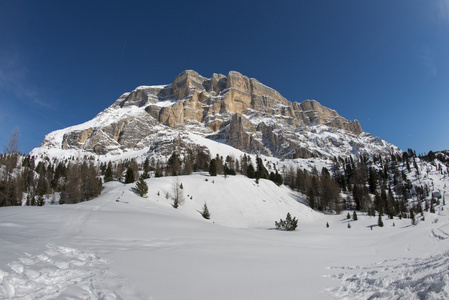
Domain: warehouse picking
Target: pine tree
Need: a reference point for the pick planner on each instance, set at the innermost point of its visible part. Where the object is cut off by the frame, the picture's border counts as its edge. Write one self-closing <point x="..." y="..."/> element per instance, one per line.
<point x="174" y="164"/>
<point x="372" y="180"/>
<point x="289" y="224"/>
<point x="311" y="198"/>
<point x="354" y="216"/>
<point x="213" y="167"/>
<point x="129" y="176"/>
<point x="250" y="172"/>
<point x="135" y="167"/>
<point x="261" y="171"/>
<point x="146" y="169"/>
<point x="380" y="223"/>
<point x="40" y="200"/>
<point x="327" y="224"/>
<point x="141" y="187"/>
<point x="108" y="173"/>
<point x="205" y="212"/>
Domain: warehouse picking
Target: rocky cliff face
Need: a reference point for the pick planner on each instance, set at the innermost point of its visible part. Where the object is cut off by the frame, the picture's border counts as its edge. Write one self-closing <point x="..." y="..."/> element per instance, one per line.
<point x="235" y="109"/>
<point x="213" y="101"/>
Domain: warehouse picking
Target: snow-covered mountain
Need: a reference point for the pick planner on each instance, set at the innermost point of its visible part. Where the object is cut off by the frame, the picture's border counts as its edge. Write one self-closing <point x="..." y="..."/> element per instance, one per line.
<point x="233" y="109"/>
<point x="118" y="245"/>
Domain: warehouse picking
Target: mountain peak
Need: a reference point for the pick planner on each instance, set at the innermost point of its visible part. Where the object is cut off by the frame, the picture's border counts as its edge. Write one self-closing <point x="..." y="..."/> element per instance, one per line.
<point x="234" y="109"/>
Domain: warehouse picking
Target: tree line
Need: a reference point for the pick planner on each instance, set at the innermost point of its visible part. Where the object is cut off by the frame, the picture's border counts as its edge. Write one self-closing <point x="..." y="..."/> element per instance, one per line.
<point x="25" y="182"/>
<point x="377" y="185"/>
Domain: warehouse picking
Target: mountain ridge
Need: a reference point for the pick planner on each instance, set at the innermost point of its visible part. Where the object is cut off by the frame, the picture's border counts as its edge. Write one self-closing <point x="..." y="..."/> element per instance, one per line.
<point x="233" y="109"/>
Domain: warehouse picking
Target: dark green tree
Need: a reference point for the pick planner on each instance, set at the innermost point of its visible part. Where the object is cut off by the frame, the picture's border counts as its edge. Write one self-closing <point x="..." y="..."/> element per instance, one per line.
<point x="108" y="173"/>
<point x="213" y="167"/>
<point x="205" y="213"/>
<point x="129" y="176"/>
<point x="372" y="180"/>
<point x="141" y="187"/>
<point x="380" y="223"/>
<point x="289" y="224"/>
<point x="276" y="178"/>
<point x="250" y="172"/>
<point x="261" y="171"/>
<point x="40" y="200"/>
<point x="174" y="164"/>
<point x="311" y="198"/>
<point x="146" y="169"/>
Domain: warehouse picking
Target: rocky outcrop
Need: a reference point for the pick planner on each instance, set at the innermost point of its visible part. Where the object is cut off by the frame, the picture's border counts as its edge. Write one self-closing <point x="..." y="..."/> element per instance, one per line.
<point x="236" y="109"/>
<point x="214" y="100"/>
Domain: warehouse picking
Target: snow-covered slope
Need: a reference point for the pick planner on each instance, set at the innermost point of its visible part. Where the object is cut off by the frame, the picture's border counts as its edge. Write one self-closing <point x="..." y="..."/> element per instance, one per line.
<point x="143" y="248"/>
<point x="235" y="201"/>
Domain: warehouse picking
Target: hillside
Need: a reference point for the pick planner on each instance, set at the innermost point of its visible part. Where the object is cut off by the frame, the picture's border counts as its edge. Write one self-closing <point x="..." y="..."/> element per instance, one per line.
<point x="143" y="248"/>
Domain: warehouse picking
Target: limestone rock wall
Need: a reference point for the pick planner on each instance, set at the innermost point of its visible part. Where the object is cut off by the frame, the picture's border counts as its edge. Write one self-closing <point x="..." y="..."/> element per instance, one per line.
<point x="234" y="107"/>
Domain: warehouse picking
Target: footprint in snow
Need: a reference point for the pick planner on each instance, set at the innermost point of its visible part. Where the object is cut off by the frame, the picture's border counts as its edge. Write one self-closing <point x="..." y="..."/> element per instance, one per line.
<point x="62" y="272"/>
<point x="426" y="278"/>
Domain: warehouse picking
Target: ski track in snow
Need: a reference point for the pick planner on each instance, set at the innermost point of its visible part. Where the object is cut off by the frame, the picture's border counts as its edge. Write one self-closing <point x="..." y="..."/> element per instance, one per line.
<point x="61" y="273"/>
<point x="406" y="278"/>
<point x="440" y="231"/>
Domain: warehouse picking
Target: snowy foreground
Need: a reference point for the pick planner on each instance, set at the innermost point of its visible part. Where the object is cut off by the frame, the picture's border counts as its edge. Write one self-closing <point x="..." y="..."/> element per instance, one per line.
<point x="143" y="248"/>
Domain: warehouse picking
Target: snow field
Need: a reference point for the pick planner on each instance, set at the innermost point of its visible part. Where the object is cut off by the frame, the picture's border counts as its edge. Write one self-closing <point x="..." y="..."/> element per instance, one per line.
<point x="143" y="248"/>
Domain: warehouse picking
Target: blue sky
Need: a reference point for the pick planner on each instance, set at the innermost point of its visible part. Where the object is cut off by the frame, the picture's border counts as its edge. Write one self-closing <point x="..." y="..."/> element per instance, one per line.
<point x="383" y="62"/>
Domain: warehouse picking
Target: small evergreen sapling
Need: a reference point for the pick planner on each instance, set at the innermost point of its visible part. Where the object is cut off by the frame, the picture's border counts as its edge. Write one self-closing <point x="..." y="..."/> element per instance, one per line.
<point x="141" y="187"/>
<point x="205" y="213"/>
<point x="40" y="200"/>
<point x="289" y="224"/>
